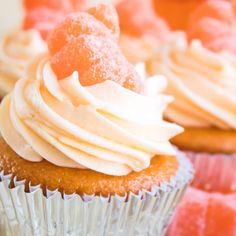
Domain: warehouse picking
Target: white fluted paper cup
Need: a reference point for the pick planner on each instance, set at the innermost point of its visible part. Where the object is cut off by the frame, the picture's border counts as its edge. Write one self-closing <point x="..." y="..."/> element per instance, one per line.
<point x="147" y="213"/>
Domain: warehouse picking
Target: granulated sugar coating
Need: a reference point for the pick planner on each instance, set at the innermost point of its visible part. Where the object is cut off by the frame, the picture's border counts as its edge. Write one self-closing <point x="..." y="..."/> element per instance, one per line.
<point x="73" y="26"/>
<point x="138" y="17"/>
<point x="85" y="44"/>
<point x="107" y="14"/>
<point x="202" y="213"/>
<point x="213" y="22"/>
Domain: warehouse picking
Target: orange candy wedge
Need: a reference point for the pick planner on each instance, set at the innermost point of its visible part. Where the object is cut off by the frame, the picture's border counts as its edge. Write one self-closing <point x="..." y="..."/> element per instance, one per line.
<point x="137" y="18"/>
<point x="73" y="26"/>
<point x="221" y="215"/>
<point x="204" y="214"/>
<point x="189" y="218"/>
<point x="85" y="43"/>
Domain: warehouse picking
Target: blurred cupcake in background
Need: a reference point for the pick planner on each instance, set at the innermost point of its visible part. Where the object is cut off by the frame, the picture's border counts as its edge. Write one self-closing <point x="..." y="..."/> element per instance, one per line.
<point x="141" y="29"/>
<point x="85" y="149"/>
<point x="201" y="77"/>
<point x="204" y="86"/>
<point x="17" y="50"/>
<point x="21" y="46"/>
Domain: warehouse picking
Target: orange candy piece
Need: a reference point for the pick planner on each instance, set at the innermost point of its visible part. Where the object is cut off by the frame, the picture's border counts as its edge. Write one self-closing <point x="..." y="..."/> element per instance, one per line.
<point x="72" y="27"/>
<point x="204" y="214"/>
<point x="213" y="22"/>
<point x="137" y="18"/>
<point x="43" y="15"/>
<point x="86" y="43"/>
<point x="221" y="215"/>
<point x="189" y="219"/>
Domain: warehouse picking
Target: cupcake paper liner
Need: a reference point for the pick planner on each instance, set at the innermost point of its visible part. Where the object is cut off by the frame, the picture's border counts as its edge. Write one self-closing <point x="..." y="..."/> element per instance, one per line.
<point x="145" y="213"/>
<point x="214" y="172"/>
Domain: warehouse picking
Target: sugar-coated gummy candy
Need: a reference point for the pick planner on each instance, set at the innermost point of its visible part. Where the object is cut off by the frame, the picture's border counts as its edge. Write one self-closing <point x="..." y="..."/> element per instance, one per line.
<point x="202" y="213"/>
<point x="86" y="43"/>
<point x="73" y="26"/>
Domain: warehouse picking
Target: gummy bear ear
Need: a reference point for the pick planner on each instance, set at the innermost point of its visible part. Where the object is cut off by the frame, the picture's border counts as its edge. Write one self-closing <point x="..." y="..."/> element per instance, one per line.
<point x="107" y="14"/>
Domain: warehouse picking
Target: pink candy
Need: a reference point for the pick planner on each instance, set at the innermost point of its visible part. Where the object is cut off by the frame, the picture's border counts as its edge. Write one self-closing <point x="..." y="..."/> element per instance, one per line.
<point x="205" y="214"/>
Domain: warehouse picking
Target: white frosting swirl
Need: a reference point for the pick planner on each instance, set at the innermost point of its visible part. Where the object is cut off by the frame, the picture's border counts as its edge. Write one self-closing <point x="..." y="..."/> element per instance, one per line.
<point x="16" y="51"/>
<point x="202" y="82"/>
<point x="103" y="127"/>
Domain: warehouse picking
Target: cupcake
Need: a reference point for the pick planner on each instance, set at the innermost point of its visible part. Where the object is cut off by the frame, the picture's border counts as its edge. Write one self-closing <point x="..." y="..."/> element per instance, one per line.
<point x="204" y="86"/>
<point x="200" y="67"/>
<point x="85" y="149"/>
<point x="141" y="29"/>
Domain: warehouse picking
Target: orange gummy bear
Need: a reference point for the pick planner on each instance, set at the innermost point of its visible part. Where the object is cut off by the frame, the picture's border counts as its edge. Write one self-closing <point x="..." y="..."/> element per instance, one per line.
<point x="85" y="43"/>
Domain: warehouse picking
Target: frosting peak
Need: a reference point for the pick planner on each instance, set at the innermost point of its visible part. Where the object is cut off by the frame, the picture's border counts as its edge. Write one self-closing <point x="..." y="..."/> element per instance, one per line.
<point x="103" y="127"/>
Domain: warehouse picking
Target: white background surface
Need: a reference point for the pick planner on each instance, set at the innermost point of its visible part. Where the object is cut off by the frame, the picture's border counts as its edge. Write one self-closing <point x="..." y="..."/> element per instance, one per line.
<point x="11" y="14"/>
